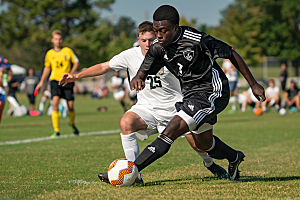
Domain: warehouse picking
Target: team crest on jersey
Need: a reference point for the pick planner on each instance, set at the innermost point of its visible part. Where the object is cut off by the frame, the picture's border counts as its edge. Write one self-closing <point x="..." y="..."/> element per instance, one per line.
<point x="166" y="57"/>
<point x="188" y="54"/>
<point x="161" y="71"/>
<point x="191" y="107"/>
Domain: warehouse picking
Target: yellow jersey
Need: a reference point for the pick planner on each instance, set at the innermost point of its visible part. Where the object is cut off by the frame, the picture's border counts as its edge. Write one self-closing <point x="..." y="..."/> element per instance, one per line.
<point x="60" y="62"/>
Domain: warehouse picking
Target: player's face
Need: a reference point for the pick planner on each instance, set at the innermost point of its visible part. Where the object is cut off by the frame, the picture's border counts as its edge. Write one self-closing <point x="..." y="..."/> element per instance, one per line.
<point x="56" y="40"/>
<point x="145" y="41"/>
<point x="271" y="84"/>
<point x="165" y="32"/>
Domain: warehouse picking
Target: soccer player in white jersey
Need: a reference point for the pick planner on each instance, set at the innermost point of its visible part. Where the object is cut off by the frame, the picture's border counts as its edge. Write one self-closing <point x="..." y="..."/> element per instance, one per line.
<point x="156" y="103"/>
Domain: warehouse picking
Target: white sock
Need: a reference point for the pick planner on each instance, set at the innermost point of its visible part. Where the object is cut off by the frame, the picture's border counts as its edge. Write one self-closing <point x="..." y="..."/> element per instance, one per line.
<point x="208" y="161"/>
<point x="232" y="100"/>
<point x="13" y="102"/>
<point x="42" y="104"/>
<point x="131" y="147"/>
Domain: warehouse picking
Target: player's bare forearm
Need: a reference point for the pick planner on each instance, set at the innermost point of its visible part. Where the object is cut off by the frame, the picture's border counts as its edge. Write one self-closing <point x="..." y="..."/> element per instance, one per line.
<point x="74" y="68"/>
<point x="96" y="70"/>
<point x="239" y="63"/>
<point x="138" y="82"/>
<point x="46" y="72"/>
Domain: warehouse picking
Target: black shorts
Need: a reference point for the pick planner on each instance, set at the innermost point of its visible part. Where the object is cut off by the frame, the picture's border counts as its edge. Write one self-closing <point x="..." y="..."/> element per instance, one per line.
<point x="31" y="98"/>
<point x="65" y="92"/>
<point x="203" y="108"/>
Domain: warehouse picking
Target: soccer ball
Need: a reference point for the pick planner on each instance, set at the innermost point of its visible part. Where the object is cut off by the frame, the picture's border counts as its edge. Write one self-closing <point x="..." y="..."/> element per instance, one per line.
<point x="122" y="172"/>
<point x="282" y="111"/>
<point x="258" y="112"/>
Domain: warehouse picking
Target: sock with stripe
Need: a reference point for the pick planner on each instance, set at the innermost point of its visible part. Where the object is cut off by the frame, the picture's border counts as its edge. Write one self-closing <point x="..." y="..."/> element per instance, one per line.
<point x="154" y="151"/>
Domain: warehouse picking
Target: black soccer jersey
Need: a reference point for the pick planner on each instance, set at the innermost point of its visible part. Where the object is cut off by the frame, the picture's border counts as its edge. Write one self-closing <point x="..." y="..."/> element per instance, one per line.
<point x="191" y="58"/>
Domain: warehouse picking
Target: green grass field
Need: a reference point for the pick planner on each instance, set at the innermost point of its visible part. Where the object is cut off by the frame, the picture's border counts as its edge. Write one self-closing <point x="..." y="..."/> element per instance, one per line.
<point x="67" y="168"/>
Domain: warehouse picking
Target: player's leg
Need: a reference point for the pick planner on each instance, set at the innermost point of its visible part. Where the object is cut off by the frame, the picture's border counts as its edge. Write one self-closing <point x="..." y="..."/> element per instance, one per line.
<point x="129" y="124"/>
<point x="132" y="126"/>
<point x="55" y="116"/>
<point x="68" y="94"/>
<point x="207" y="160"/>
<point x="2" y="104"/>
<point x="2" y="101"/>
<point x="55" y="94"/>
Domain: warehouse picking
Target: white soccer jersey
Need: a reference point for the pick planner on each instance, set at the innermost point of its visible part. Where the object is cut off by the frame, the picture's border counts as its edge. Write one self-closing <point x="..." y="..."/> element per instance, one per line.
<point x="271" y="92"/>
<point x="161" y="90"/>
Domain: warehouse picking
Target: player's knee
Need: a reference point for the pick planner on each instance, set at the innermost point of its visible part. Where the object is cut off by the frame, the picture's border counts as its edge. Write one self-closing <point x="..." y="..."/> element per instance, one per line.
<point x="127" y="125"/>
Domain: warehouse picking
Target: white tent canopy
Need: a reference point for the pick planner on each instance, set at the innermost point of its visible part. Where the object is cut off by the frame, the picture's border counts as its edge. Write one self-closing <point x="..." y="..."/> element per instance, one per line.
<point x="18" y="70"/>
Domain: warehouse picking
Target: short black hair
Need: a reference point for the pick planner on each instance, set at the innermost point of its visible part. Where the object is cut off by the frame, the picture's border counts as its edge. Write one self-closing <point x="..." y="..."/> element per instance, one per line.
<point x="167" y="12"/>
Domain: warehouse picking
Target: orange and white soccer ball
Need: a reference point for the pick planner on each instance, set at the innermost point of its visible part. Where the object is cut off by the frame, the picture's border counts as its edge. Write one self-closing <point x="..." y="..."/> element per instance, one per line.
<point x="122" y="172"/>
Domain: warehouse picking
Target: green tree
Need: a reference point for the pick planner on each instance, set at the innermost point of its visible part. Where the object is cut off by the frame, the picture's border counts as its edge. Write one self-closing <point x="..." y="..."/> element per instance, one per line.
<point x="26" y="26"/>
<point x="241" y="27"/>
<point x="281" y="27"/>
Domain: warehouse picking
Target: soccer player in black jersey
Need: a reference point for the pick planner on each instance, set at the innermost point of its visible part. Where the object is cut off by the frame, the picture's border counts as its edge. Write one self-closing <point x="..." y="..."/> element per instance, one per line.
<point x="190" y="55"/>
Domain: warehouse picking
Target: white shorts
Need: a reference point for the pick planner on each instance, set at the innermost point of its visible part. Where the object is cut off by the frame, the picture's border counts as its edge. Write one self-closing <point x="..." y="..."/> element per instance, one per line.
<point x="119" y="94"/>
<point x="157" y="120"/>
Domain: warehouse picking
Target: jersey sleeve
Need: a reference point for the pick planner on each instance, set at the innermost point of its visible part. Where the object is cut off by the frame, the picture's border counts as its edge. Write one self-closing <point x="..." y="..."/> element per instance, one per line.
<point x="118" y="62"/>
<point x="153" y="61"/>
<point x="217" y="48"/>
<point x="47" y="62"/>
<point x="74" y="58"/>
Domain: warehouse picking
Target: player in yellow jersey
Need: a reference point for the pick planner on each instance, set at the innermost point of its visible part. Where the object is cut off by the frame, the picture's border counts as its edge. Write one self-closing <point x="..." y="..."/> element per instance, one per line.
<point x="59" y="61"/>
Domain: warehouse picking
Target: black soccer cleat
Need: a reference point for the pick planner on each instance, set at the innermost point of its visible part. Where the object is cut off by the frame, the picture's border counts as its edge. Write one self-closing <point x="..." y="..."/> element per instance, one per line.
<point x="218" y="171"/>
<point x="139" y="182"/>
<point x="233" y="171"/>
<point x="103" y="177"/>
<point x="75" y="130"/>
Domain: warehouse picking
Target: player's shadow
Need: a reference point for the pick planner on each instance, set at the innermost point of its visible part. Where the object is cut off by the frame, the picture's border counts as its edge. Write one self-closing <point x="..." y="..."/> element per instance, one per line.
<point x="184" y="181"/>
<point x="267" y="179"/>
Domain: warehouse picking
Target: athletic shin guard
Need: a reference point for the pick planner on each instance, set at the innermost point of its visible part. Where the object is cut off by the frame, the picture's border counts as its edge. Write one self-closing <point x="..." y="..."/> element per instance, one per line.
<point x="154" y="151"/>
<point x="222" y="150"/>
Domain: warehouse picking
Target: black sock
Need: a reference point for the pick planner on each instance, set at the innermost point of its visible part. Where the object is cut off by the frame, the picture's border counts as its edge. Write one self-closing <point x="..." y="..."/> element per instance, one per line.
<point x="122" y="103"/>
<point x="222" y="150"/>
<point x="152" y="152"/>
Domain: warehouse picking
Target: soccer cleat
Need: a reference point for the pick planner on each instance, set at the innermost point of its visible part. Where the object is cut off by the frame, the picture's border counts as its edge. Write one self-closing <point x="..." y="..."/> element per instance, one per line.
<point x="139" y="182"/>
<point x="103" y="177"/>
<point x="55" y="134"/>
<point x="218" y="171"/>
<point x="75" y="130"/>
<point x="233" y="171"/>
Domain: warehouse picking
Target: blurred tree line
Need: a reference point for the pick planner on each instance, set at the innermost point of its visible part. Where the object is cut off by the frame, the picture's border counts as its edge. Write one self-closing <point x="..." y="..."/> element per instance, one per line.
<point x="256" y="28"/>
<point x="26" y="26"/>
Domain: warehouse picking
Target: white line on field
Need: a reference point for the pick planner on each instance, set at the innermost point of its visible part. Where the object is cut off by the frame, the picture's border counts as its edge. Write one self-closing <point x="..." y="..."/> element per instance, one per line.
<point x="61" y="136"/>
<point x="83" y="182"/>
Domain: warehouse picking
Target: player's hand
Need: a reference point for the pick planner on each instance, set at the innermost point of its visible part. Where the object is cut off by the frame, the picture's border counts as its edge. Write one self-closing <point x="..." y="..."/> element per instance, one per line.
<point x="38" y="86"/>
<point x="137" y="83"/>
<point x="66" y="78"/>
<point x="259" y="92"/>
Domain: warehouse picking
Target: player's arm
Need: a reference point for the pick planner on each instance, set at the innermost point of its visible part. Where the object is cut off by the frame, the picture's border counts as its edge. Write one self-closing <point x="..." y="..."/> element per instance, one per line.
<point x="239" y="63"/>
<point x="75" y="61"/>
<point x="46" y="72"/>
<point x="95" y="70"/>
<point x="74" y="68"/>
